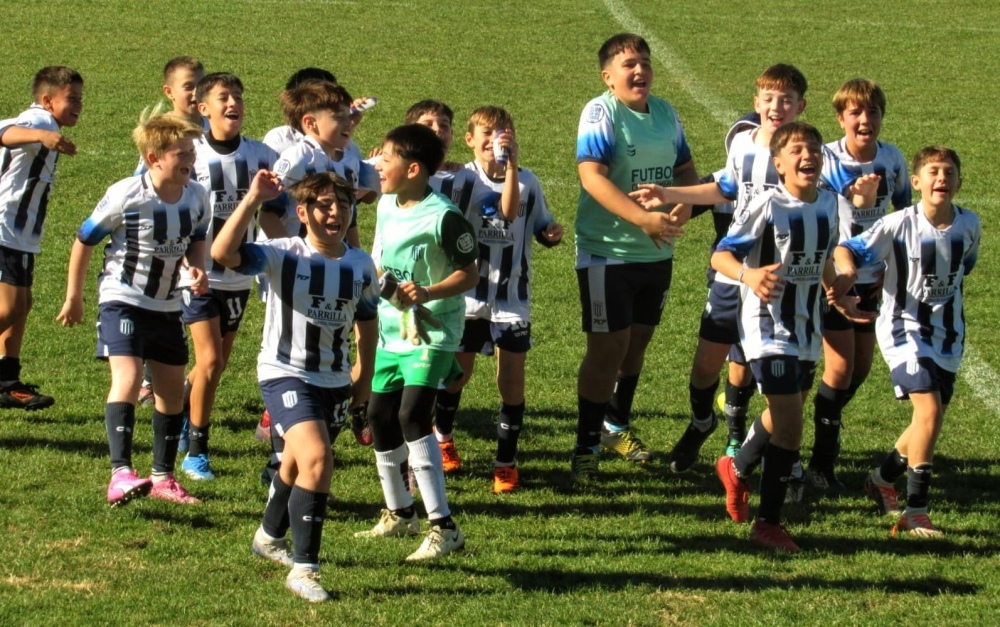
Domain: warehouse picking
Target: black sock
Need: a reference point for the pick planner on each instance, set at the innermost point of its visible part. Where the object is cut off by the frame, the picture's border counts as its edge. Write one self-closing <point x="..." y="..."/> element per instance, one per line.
<point x="306" y="510"/>
<point x="10" y="369"/>
<point x="589" y="422"/>
<point x="166" y="436"/>
<point x="199" y="440"/>
<point x="827" y="406"/>
<point x="918" y="484"/>
<point x="703" y="401"/>
<point x="405" y="512"/>
<point x="445" y="409"/>
<point x="620" y="408"/>
<point x="444" y="523"/>
<point x="752" y="450"/>
<point x="508" y="431"/>
<point x="737" y="405"/>
<point x="119" y="419"/>
<point x="892" y="467"/>
<point x="275" y="522"/>
<point x="774" y="476"/>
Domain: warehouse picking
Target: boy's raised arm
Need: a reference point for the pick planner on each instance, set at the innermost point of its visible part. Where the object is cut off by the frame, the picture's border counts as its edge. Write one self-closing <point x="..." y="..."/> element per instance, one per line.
<point x="226" y="245"/>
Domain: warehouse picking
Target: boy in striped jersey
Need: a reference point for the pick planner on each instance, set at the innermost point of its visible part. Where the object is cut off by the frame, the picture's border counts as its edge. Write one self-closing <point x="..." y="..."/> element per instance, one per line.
<point x="157" y="224"/>
<point x="927" y="250"/>
<point x="320" y="287"/>
<point x="848" y="348"/>
<point x="30" y="146"/>
<point x="226" y="163"/>
<point x="778" y="249"/>
<point x="508" y="209"/>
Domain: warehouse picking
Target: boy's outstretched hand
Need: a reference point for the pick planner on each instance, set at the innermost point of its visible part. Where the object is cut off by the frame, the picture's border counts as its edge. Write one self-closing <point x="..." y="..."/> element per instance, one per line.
<point x="71" y="313"/>
<point x="58" y="142"/>
<point x="847" y="305"/>
<point x="553" y="233"/>
<point x="866" y="186"/>
<point x="650" y="196"/>
<point x="266" y="185"/>
<point x="764" y="282"/>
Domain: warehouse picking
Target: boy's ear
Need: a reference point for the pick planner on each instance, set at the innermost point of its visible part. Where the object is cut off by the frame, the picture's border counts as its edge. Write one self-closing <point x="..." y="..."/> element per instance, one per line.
<point x="468" y="140"/>
<point x="413" y="169"/>
<point x="152" y="160"/>
<point x="202" y="108"/>
<point x="300" y="211"/>
<point x="46" y="101"/>
<point x="308" y="121"/>
<point x="606" y="77"/>
<point x="168" y="91"/>
<point x="802" y="105"/>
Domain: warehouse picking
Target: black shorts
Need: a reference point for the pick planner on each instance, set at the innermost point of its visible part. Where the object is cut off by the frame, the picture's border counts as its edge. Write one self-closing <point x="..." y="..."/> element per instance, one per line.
<point x="226" y="305"/>
<point x="614" y="297"/>
<point x="17" y="267"/>
<point x="720" y="318"/>
<point x="923" y="375"/>
<point x="290" y="401"/>
<point x="871" y="296"/>
<point x="129" y="331"/>
<point x="783" y="374"/>
<point x="482" y="336"/>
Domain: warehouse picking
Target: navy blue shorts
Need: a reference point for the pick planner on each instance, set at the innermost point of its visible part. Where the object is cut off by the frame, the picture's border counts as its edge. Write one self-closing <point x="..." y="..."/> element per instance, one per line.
<point x="871" y="297"/>
<point x="481" y="336"/>
<point x="923" y="375"/>
<point x="226" y="305"/>
<point x="17" y="267"/>
<point x="129" y="331"/>
<point x="783" y="374"/>
<point x="290" y="401"/>
<point x="615" y="297"/>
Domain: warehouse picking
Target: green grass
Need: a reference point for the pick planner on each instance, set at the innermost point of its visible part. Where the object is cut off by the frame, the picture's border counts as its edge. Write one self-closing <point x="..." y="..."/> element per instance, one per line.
<point x="644" y="546"/>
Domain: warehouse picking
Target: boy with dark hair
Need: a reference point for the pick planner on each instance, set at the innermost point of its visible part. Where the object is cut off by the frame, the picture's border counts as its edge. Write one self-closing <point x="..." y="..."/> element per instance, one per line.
<point x="927" y="250"/>
<point x="427" y="257"/>
<point x="29" y="149"/>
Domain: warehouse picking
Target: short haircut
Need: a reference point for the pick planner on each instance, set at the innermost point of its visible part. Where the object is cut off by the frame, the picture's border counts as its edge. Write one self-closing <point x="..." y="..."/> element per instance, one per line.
<point x="782" y="76"/>
<point x="309" y="74"/>
<point x="312" y="97"/>
<point x="621" y="42"/>
<point x="493" y="117"/>
<point x="931" y="154"/>
<point x="416" y="142"/>
<point x="312" y="186"/>
<point x="793" y="130"/>
<point x="861" y="92"/>
<point x="181" y="63"/>
<point x="53" y="77"/>
<point x="427" y="107"/>
<point x="215" y="79"/>
<point x="158" y="131"/>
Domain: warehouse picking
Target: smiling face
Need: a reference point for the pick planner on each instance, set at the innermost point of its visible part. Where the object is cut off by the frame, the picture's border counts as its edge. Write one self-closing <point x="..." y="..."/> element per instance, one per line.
<point x="394" y="172"/>
<point x="327" y="218"/>
<point x="862" y="125"/>
<point x="180" y="89"/>
<point x="332" y="129"/>
<point x="629" y="76"/>
<point x="938" y="181"/>
<point x="481" y="142"/>
<point x="776" y="107"/>
<point x="174" y="166"/>
<point x="64" y="103"/>
<point x="799" y="163"/>
<point x="223" y="106"/>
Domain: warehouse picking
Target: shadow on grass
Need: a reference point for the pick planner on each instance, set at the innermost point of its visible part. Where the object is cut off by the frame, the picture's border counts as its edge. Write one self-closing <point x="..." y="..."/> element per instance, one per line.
<point x="94" y="449"/>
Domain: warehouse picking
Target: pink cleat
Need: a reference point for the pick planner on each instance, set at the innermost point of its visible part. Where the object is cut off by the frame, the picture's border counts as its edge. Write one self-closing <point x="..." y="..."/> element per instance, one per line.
<point x="125" y="486"/>
<point x="170" y="490"/>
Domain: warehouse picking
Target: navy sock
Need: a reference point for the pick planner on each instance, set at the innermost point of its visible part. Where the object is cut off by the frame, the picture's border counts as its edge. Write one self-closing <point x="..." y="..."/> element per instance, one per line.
<point x="893" y="467"/>
<point x="774" y="476"/>
<point x="827" y="409"/>
<point x="620" y="408"/>
<point x="588" y="426"/>
<point x="198" y="440"/>
<point x="737" y="405"/>
<point x="508" y="431"/>
<point x="445" y="409"/>
<point x="306" y="510"/>
<point x="119" y="419"/>
<point x="703" y="401"/>
<point x="166" y="436"/>
<point x="275" y="522"/>
<point x="752" y="450"/>
<point x="918" y="484"/>
<point x="10" y="369"/>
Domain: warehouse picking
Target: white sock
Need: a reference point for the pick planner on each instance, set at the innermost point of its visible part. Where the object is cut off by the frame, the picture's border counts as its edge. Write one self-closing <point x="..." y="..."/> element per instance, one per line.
<point x="425" y="460"/>
<point x="389" y="465"/>
<point x="442" y="437"/>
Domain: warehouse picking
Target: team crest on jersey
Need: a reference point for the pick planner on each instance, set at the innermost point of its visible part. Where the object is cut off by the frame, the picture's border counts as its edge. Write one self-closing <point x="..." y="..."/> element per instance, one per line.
<point x="630" y="150"/>
<point x="281" y="167"/>
<point x="417" y="252"/>
<point x="359" y="287"/>
<point x="595" y="113"/>
<point x="103" y="205"/>
<point x="465" y="243"/>
<point x="777" y="368"/>
<point x="290" y="399"/>
<point x="741" y="217"/>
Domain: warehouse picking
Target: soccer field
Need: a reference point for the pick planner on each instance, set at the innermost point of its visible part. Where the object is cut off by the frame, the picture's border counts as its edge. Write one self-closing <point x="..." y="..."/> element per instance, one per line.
<point x="644" y="546"/>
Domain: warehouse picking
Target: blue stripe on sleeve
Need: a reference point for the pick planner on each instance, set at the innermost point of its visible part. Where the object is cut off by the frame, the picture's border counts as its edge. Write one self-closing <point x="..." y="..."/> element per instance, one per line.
<point x="253" y="260"/>
<point x="739" y="246"/>
<point x="91" y="232"/>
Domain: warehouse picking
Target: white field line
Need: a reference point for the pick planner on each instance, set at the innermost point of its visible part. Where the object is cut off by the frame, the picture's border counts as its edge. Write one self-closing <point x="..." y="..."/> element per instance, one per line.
<point x="980" y="376"/>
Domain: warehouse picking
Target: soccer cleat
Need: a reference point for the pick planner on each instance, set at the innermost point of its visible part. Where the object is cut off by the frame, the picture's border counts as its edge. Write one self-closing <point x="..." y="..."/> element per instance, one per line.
<point x="438" y="543"/>
<point x="146" y="396"/>
<point x="626" y="444"/>
<point x="198" y="468"/>
<point x="737" y="490"/>
<point x="796" y="489"/>
<point x="884" y="497"/>
<point x="505" y="479"/>
<point x="772" y="535"/>
<point x="917" y="523"/>
<point x="824" y="479"/>
<point x="360" y="427"/>
<point x="303" y="581"/>
<point x="685" y="453"/>
<point x="449" y="457"/>
<point x="170" y="490"/>
<point x="184" y="440"/>
<point x="125" y="486"/>
<point x="274" y="549"/>
<point x="263" y="430"/>
<point x="19" y="395"/>
<point x="391" y="525"/>
<point x="733" y="447"/>
<point x="584" y="466"/>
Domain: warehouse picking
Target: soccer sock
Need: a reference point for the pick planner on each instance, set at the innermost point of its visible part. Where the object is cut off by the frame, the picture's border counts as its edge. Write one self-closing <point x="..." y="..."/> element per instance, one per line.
<point x="588" y="425"/>
<point x="166" y="435"/>
<point x="425" y="460"/>
<point x="774" y="477"/>
<point x="918" y="484"/>
<point x="619" y="409"/>
<point x="119" y="419"/>
<point x="392" y="474"/>
<point x="306" y="510"/>
<point x="445" y="523"/>
<point x="10" y="370"/>
<point x="276" y="521"/>
<point x="849" y="394"/>
<point x="752" y="450"/>
<point x="893" y="467"/>
<point x="445" y="408"/>
<point x="827" y="408"/>
<point x="199" y="440"/>
<point x="736" y="407"/>
<point x="702" y="401"/>
<point x="508" y="431"/>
